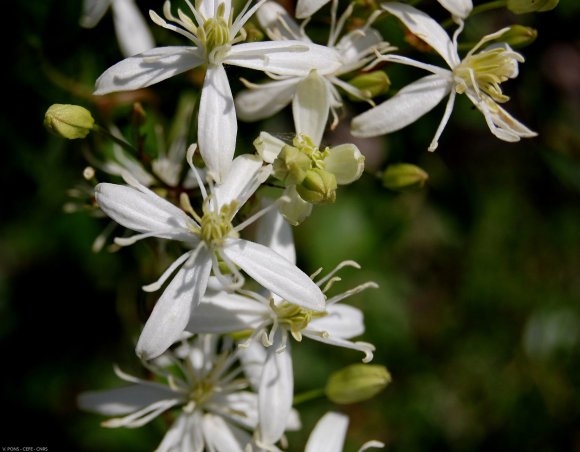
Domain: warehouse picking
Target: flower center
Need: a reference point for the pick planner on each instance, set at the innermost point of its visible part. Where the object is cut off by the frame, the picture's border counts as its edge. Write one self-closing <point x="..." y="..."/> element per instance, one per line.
<point x="201" y="392"/>
<point x="294" y="317"/>
<point x="217" y="226"/>
<point x="215" y="33"/>
<point x="486" y="70"/>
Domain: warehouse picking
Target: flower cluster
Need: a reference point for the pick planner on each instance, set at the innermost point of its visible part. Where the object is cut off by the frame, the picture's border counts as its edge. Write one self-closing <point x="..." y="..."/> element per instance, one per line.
<point x="233" y="302"/>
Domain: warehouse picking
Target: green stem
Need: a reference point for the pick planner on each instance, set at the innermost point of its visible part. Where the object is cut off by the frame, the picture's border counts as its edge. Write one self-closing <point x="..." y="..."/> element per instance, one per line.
<point x="308" y="395"/>
<point x="116" y="139"/>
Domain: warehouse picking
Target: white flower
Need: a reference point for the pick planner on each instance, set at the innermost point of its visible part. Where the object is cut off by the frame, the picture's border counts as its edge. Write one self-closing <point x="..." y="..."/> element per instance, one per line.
<point x="216" y="407"/>
<point x="216" y="41"/>
<point x="210" y="237"/>
<point x="271" y="319"/>
<point x="133" y="35"/>
<point x="478" y="76"/>
<point x="355" y="48"/>
<point x="329" y="433"/>
<point x="459" y="9"/>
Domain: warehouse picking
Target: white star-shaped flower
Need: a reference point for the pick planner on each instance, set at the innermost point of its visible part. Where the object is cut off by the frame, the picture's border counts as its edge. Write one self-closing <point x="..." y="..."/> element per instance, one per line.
<point x="355" y="48"/>
<point x="210" y="237"/>
<point x="217" y="409"/>
<point x="216" y="39"/>
<point x="478" y="76"/>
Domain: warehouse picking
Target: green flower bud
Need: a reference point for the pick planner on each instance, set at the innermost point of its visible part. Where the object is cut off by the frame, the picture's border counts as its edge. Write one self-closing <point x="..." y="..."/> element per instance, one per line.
<point x="531" y="6"/>
<point x="519" y="36"/>
<point x="346" y="163"/>
<point x="404" y="176"/>
<point x="356" y="383"/>
<point x="318" y="186"/>
<point x="372" y="84"/>
<point x="69" y="121"/>
<point x="291" y="165"/>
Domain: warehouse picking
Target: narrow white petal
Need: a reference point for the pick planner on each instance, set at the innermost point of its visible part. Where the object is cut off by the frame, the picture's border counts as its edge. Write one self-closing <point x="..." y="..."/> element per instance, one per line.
<point x="458" y="8"/>
<point x="310" y="106"/>
<point x="225" y="312"/>
<point x="147" y="68"/>
<point x="356" y="45"/>
<point x="263" y="101"/>
<point x="240" y="183"/>
<point x="328" y="434"/>
<point x="124" y="400"/>
<point x="403" y="108"/>
<point x="278" y="24"/>
<point x="221" y="436"/>
<point x="173" y="310"/>
<point x="268" y="146"/>
<point x="132" y="32"/>
<point x="217" y="126"/>
<point x="276" y="392"/>
<point x="275" y="273"/>
<point x="364" y="347"/>
<point x="427" y="29"/>
<point x="185" y="435"/>
<point x="174" y="435"/>
<point x="253" y="356"/>
<point x="144" y="212"/>
<point x="341" y="321"/>
<point x="306" y="8"/>
<point x="240" y="407"/>
<point x="93" y="12"/>
<point x="284" y="57"/>
<point x="275" y="233"/>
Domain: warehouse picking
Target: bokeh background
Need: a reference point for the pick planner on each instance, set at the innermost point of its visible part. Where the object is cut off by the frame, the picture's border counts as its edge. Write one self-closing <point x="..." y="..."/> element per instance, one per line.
<point x="477" y="316"/>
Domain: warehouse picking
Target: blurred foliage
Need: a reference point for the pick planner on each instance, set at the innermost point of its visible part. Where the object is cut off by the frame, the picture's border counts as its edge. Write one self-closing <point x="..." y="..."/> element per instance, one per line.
<point x="477" y="317"/>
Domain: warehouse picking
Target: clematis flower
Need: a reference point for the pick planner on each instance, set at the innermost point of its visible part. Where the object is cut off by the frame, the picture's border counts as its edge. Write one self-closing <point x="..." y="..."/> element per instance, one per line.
<point x="210" y="237"/>
<point x="271" y="319"/>
<point x="329" y="433"/>
<point x="132" y="32"/>
<point x="478" y="76"/>
<point x="217" y="407"/>
<point x="216" y="39"/>
<point x="355" y="48"/>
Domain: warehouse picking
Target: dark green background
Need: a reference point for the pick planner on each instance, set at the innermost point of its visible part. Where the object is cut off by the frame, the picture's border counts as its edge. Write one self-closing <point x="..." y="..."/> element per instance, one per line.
<point x="477" y="317"/>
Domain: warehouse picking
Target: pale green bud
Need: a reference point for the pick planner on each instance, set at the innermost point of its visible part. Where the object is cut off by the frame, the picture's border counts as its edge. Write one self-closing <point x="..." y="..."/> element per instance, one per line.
<point x="371" y="85"/>
<point x="531" y="6"/>
<point x="404" y="176"/>
<point x="356" y="383"/>
<point x="69" y="121"/>
<point x="294" y="209"/>
<point x="291" y="165"/>
<point x="346" y="163"/>
<point x="319" y="186"/>
<point x="519" y="36"/>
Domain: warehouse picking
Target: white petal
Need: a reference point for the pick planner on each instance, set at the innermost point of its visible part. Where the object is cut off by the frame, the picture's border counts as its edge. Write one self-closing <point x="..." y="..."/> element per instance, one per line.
<point x="310" y="107"/>
<point x="268" y="146"/>
<point x="306" y="8"/>
<point x="458" y="8"/>
<point x="240" y="183"/>
<point x="354" y="46"/>
<point x="328" y="434"/>
<point x="263" y="101"/>
<point x="342" y="321"/>
<point x="427" y="29"/>
<point x="222" y="437"/>
<point x="284" y="57"/>
<point x="93" y="12"/>
<point x="253" y="356"/>
<point x="132" y="32"/>
<point x="144" y="212"/>
<point x="241" y="407"/>
<point x="275" y="233"/>
<point x="225" y="312"/>
<point x="208" y="8"/>
<point x="217" y="126"/>
<point x="275" y="273"/>
<point x="185" y="435"/>
<point x="404" y="108"/>
<point x="364" y="347"/>
<point x="346" y="162"/>
<point x="124" y="400"/>
<point x="173" y="310"/>
<point x="147" y="68"/>
<point x="276" y="392"/>
<point x="278" y="24"/>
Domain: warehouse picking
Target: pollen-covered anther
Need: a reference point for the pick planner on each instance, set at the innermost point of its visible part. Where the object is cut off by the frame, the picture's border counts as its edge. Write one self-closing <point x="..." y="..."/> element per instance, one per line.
<point x="217" y="226"/>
